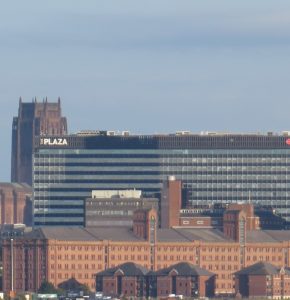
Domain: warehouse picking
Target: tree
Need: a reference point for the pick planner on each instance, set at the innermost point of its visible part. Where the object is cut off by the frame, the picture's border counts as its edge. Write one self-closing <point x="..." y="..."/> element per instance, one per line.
<point x="85" y="289"/>
<point x="47" y="288"/>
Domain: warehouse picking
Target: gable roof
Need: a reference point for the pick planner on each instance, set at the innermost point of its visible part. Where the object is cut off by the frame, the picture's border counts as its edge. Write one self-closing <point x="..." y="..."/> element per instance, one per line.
<point x="268" y="236"/>
<point x="128" y="269"/>
<point x="69" y="233"/>
<point x="261" y="268"/>
<point x="183" y="269"/>
<point x="174" y="235"/>
<point x="70" y="284"/>
<point x="180" y="234"/>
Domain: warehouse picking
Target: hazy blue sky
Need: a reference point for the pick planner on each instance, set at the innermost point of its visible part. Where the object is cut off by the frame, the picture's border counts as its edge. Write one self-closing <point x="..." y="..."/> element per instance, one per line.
<point x="151" y="66"/>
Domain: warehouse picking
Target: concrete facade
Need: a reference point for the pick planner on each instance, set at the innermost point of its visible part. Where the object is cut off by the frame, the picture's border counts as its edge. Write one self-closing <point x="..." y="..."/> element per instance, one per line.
<point x="115" y="209"/>
<point x="212" y="168"/>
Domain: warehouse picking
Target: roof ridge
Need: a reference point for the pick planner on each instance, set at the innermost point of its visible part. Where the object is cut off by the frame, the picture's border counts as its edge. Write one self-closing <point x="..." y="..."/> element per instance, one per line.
<point x="91" y="234"/>
<point x="183" y="235"/>
<point x="36" y="231"/>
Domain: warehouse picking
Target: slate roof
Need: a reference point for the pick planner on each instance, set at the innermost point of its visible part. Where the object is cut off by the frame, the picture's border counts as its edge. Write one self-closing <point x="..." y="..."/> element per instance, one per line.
<point x="113" y="233"/>
<point x="34" y="234"/>
<point x="173" y="235"/>
<point x="232" y="211"/>
<point x="84" y="234"/>
<point x="268" y="236"/>
<point x="70" y="284"/>
<point x="261" y="268"/>
<point x="207" y="235"/>
<point x="191" y="234"/>
<point x="124" y="234"/>
<point x="129" y="269"/>
<point x="183" y="269"/>
<point x="66" y="233"/>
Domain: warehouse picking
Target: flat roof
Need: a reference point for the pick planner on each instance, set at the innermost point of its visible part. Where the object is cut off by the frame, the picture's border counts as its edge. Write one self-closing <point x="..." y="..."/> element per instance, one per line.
<point x="166" y="141"/>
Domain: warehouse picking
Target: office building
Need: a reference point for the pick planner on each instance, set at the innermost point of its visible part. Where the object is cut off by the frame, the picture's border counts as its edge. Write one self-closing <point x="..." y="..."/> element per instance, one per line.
<point x="115" y="207"/>
<point x="214" y="168"/>
<point x="34" y="119"/>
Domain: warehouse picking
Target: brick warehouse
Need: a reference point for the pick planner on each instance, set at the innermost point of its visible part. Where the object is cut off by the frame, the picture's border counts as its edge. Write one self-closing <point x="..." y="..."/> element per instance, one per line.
<point x="58" y="254"/>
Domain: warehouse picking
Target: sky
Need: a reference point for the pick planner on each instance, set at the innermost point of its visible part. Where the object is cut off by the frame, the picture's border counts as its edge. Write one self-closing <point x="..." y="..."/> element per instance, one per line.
<point x="147" y="66"/>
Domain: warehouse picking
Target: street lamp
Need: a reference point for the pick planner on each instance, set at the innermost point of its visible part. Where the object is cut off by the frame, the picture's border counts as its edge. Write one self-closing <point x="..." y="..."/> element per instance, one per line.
<point x="12" y="265"/>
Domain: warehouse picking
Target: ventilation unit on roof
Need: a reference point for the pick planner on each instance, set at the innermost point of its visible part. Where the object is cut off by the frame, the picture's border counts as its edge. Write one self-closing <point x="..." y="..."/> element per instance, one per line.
<point x="111" y="133"/>
<point x="125" y="133"/>
<point x="182" y="132"/>
<point x="286" y="133"/>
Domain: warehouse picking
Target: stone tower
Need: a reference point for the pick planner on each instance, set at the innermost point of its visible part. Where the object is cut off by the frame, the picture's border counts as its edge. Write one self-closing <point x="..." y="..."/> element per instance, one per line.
<point x="34" y="119"/>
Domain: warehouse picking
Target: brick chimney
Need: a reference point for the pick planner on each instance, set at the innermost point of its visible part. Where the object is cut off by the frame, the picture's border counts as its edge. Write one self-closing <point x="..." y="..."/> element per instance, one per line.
<point x="171" y="202"/>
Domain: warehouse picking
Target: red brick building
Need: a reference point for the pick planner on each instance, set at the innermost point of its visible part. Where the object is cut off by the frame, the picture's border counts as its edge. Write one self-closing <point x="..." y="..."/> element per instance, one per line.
<point x="15" y="203"/>
<point x="126" y="280"/>
<point x="171" y="202"/>
<point x="132" y="280"/>
<point x="57" y="254"/>
<point x="263" y="280"/>
<point x="183" y="279"/>
<point x="115" y="207"/>
<point x="174" y="214"/>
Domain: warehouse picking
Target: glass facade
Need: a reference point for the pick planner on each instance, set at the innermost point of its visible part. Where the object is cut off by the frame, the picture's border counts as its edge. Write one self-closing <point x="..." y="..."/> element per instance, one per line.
<point x="65" y="175"/>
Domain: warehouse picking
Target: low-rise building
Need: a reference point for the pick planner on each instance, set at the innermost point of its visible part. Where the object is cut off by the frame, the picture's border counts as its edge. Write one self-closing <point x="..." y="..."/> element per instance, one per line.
<point x="115" y="207"/>
<point x="132" y="280"/>
<point x="56" y="254"/>
<point x="126" y="280"/>
<point x="183" y="279"/>
<point x="263" y="280"/>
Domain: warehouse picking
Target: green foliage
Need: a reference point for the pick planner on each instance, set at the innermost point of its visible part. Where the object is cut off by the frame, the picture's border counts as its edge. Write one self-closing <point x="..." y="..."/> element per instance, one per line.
<point x="85" y="289"/>
<point x="47" y="288"/>
<point x="21" y="296"/>
<point x="61" y="292"/>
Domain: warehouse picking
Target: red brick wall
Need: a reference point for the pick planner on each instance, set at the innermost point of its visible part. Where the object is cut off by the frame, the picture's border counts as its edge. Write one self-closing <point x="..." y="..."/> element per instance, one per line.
<point x="13" y="205"/>
<point x="30" y="264"/>
<point x="58" y="261"/>
<point x="171" y="203"/>
<point x="257" y="285"/>
<point x="110" y="286"/>
<point x="129" y="287"/>
<point x="164" y="286"/>
<point x="198" y="222"/>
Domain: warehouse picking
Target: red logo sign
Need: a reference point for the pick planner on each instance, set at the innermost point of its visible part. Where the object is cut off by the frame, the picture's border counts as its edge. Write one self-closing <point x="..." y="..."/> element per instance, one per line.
<point x="288" y="142"/>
